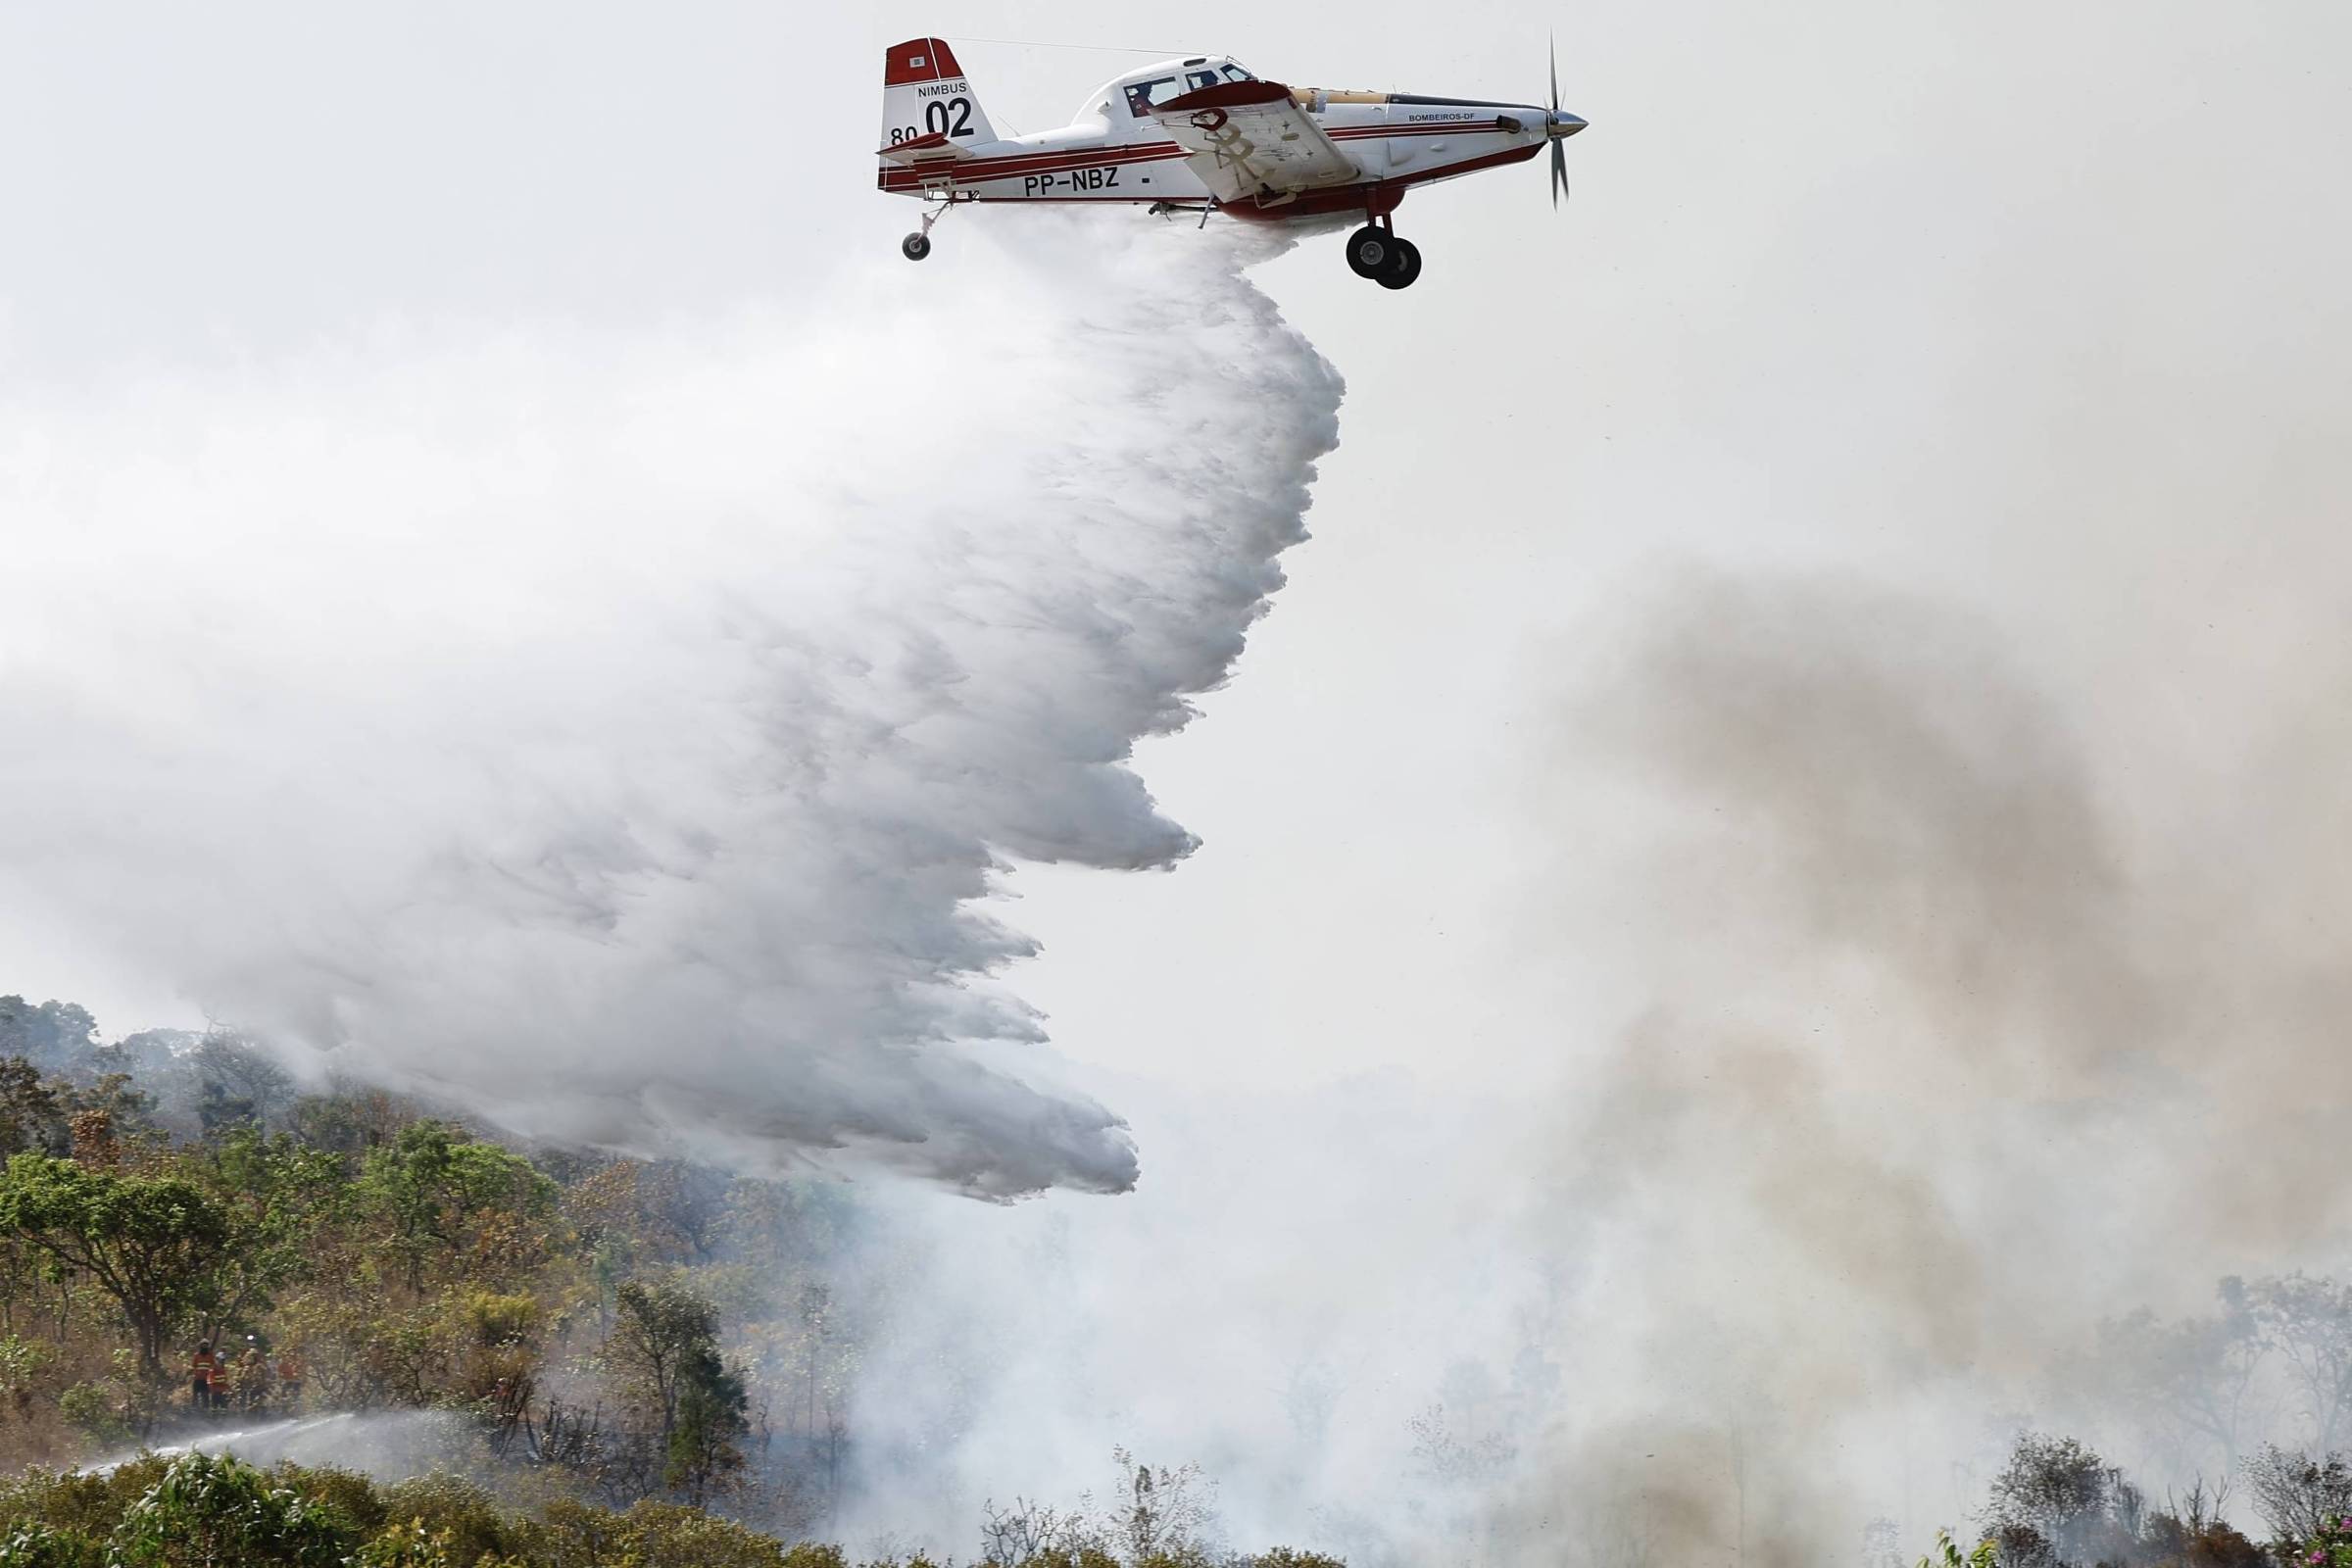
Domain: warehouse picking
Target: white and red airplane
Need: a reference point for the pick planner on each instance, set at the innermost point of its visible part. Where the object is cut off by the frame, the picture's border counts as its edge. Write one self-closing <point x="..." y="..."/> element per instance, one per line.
<point x="1204" y="135"/>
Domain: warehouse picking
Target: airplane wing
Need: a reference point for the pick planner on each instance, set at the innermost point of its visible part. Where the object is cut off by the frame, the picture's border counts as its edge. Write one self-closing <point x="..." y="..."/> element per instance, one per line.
<point x="1252" y="139"/>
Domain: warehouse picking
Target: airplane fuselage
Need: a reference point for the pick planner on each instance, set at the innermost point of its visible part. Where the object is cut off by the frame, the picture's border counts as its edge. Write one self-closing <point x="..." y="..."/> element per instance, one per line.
<point x="1114" y="153"/>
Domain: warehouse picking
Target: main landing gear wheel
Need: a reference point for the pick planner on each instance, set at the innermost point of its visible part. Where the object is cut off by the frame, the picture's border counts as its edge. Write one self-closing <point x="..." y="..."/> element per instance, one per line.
<point x="915" y="247"/>
<point x="1371" y="251"/>
<point x="1405" y="267"/>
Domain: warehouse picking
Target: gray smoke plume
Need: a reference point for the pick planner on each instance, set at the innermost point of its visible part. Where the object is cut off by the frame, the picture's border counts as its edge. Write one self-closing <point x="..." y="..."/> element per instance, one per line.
<point x="1892" y="1034"/>
<point x="1937" y="1058"/>
<point x="620" y="734"/>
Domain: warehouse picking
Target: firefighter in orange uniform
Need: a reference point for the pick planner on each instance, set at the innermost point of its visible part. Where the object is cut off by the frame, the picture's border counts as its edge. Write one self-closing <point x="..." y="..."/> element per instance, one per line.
<point x="203" y="1367"/>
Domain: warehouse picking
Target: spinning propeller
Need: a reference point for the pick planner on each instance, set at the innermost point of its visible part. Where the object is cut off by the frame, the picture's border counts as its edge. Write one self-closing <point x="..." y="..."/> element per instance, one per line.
<point x="1562" y="127"/>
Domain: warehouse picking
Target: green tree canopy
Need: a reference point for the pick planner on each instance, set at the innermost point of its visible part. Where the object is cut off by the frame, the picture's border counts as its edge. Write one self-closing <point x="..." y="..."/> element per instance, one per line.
<point x="432" y="1181"/>
<point x="163" y="1248"/>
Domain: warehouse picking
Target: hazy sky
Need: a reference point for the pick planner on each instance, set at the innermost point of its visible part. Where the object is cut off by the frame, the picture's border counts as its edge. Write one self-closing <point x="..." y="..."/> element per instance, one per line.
<point x="1834" y="282"/>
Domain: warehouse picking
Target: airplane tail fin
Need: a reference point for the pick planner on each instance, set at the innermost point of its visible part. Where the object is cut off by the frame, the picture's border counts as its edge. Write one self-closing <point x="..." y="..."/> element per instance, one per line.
<point x="924" y="94"/>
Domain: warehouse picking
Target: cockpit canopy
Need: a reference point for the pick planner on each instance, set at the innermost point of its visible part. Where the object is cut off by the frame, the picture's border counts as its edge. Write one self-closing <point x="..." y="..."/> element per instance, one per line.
<point x="1128" y="97"/>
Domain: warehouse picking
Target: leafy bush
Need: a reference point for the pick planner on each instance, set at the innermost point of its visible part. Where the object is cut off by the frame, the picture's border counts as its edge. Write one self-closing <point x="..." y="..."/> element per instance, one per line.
<point x="91" y="1411"/>
<point x="1947" y="1554"/>
<point x="37" y="1545"/>
<point x="457" y="1510"/>
<point x="408" y="1545"/>
<point x="651" y="1535"/>
<point x="348" y="1496"/>
<point x="1087" y="1556"/>
<point x="77" y="1502"/>
<point x="815" y="1554"/>
<point x="207" y="1512"/>
<point x="2330" y="1547"/>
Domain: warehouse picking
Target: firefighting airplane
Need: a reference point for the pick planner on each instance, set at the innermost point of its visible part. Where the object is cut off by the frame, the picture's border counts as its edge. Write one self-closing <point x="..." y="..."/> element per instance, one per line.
<point x="1204" y="135"/>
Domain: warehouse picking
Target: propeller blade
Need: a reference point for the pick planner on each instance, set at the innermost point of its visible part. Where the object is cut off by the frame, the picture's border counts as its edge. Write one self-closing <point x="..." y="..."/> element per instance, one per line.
<point x="1553" y="43"/>
<point x="1559" y="173"/>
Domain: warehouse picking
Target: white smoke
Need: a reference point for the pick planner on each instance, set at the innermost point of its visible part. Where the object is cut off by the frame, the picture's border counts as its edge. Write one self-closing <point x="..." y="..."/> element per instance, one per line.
<point x="620" y="734"/>
<point x="386" y="1444"/>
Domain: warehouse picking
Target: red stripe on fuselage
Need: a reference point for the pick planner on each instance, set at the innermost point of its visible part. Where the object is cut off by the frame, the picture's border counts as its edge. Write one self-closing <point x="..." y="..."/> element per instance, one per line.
<point x="1374" y="196"/>
<point x="970" y="172"/>
<point x="1060" y="160"/>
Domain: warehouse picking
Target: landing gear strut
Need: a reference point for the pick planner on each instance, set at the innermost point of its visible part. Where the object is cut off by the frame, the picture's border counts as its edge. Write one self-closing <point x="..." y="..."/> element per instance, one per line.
<point x="918" y="245"/>
<point x="1375" y="251"/>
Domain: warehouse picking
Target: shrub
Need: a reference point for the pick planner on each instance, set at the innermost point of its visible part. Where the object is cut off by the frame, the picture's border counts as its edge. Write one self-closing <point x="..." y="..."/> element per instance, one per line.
<point x="572" y="1535"/>
<point x="457" y="1510"/>
<point x="814" y="1554"/>
<point x="1947" y="1554"/>
<point x="408" y="1545"/>
<point x="36" y="1545"/>
<point x="79" y="1502"/>
<point x="90" y="1410"/>
<point x="669" y="1534"/>
<point x="354" y="1501"/>
<point x="1088" y="1557"/>
<point x="2330" y="1547"/>
<point x="207" y="1512"/>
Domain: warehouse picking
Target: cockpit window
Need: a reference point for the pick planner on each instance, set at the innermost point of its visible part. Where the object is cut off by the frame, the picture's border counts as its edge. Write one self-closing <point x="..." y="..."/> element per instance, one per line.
<point x="1141" y="95"/>
<point x="1235" y="74"/>
<point x="1200" y="78"/>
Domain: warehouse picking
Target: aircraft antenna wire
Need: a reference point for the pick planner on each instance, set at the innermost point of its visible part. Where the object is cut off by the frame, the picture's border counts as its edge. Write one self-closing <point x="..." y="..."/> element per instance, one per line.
<point x="1089" y="48"/>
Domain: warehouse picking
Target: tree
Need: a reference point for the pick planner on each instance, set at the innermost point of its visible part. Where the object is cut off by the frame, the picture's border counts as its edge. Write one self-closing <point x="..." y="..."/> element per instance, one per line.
<point x="688" y="1202"/>
<point x="31" y="1116"/>
<point x="1444" y="1457"/>
<point x="161" y="1247"/>
<point x="432" y="1181"/>
<point x="277" y="1193"/>
<point x="2309" y="1322"/>
<point x="705" y="1453"/>
<point x="1009" y="1537"/>
<point x="2058" y="1502"/>
<point x="1160" y="1513"/>
<point x="51" y="1036"/>
<point x="658" y="1329"/>
<point x="2297" y="1495"/>
<point x="2190" y="1377"/>
<point x="106" y="1112"/>
<point x="237" y="1085"/>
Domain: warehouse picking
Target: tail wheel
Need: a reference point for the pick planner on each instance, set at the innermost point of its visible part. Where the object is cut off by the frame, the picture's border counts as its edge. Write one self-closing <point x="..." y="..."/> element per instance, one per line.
<point x="1371" y="251"/>
<point x="1404" y="266"/>
<point x="915" y="247"/>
